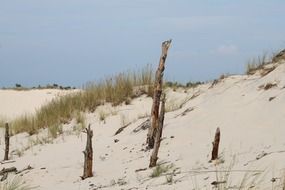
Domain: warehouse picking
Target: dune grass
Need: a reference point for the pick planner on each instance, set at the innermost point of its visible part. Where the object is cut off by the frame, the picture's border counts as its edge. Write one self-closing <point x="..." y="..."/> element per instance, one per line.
<point x="255" y="64"/>
<point x="15" y="183"/>
<point x="115" y="90"/>
<point x="259" y="62"/>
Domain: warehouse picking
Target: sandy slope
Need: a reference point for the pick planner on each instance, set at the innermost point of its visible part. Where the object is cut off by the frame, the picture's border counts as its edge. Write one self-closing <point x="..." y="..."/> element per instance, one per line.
<point x="15" y="103"/>
<point x="252" y="141"/>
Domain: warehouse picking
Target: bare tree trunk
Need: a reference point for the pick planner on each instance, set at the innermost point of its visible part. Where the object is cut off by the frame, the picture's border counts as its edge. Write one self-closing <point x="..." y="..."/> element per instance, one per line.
<point x="156" y="95"/>
<point x="88" y="155"/>
<point x="7" y="141"/>
<point x="216" y="143"/>
<point x="153" y="158"/>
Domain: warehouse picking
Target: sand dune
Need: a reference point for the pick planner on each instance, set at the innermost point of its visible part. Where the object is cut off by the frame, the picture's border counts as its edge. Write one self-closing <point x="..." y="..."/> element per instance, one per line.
<point x="252" y="152"/>
<point x="15" y="103"/>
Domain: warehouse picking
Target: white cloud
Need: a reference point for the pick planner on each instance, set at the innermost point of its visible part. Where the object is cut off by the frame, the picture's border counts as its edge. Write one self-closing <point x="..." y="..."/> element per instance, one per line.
<point x="226" y="50"/>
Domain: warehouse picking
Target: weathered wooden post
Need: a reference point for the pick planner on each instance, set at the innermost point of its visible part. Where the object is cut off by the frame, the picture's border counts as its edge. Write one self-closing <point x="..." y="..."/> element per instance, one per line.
<point x="156" y="95"/>
<point x="7" y="141"/>
<point x="153" y="158"/>
<point x="88" y="155"/>
<point x="216" y="143"/>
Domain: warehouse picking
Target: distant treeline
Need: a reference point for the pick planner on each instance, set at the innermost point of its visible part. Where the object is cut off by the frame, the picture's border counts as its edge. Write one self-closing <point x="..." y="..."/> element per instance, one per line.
<point x="48" y="86"/>
<point x="187" y="85"/>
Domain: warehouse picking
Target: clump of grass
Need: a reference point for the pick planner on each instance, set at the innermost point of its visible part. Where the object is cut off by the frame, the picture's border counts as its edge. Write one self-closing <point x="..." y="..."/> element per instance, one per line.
<point x="169" y="178"/>
<point x="102" y="116"/>
<point x="19" y="152"/>
<point x="80" y="118"/>
<point x="124" y="120"/>
<point x="267" y="86"/>
<point x="173" y="104"/>
<point x="54" y="131"/>
<point x="160" y="169"/>
<point x="115" y="90"/>
<point x="15" y="183"/>
<point x="2" y="123"/>
<point x="255" y="64"/>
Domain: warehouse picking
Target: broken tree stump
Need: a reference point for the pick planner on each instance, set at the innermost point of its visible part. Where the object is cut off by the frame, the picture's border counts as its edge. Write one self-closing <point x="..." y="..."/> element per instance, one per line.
<point x="156" y="95"/>
<point x="153" y="158"/>
<point x="216" y="143"/>
<point x="7" y="142"/>
<point x="88" y="155"/>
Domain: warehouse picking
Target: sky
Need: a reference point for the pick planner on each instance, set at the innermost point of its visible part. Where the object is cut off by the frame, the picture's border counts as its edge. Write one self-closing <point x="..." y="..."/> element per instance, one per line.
<point x="71" y="42"/>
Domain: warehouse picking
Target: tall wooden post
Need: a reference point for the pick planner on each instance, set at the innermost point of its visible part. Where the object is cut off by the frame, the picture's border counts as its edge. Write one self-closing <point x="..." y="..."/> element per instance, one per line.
<point x="156" y="95"/>
<point x="216" y="143"/>
<point x="7" y="141"/>
<point x="153" y="158"/>
<point x="88" y="155"/>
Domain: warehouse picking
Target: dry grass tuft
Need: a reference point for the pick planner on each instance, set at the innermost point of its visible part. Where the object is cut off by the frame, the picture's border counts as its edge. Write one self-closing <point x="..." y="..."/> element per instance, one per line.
<point x="261" y="63"/>
<point x="256" y="64"/>
<point x="160" y="169"/>
<point x="15" y="184"/>
<point x="115" y="90"/>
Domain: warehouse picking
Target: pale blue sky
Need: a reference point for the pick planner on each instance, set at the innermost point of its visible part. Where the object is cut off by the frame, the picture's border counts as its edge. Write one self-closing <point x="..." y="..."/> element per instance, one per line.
<point x="71" y="42"/>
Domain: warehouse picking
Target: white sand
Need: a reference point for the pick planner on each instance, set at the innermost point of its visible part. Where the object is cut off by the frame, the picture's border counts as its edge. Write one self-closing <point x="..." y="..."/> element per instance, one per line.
<point x="250" y="125"/>
<point x="14" y="103"/>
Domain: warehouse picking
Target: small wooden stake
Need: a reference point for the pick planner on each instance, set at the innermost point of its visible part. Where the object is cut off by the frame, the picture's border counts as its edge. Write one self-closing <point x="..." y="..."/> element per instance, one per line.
<point x="7" y="141"/>
<point x="153" y="158"/>
<point x="156" y="95"/>
<point x="216" y="142"/>
<point x="88" y="155"/>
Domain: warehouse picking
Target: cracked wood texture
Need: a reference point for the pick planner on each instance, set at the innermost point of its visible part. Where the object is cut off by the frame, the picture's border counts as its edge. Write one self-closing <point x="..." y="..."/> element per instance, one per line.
<point x="88" y="155"/>
<point x="157" y="94"/>
<point x="215" y="151"/>
<point x="7" y="142"/>
<point x="153" y="158"/>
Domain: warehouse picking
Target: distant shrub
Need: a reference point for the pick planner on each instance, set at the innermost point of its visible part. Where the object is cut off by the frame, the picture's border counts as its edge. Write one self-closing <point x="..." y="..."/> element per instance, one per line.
<point x="18" y="85"/>
<point x="193" y="84"/>
<point x="173" y="84"/>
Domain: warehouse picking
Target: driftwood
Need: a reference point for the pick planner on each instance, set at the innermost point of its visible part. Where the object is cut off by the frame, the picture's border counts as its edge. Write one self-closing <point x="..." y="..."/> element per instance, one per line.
<point x="153" y="158"/>
<point x="141" y="169"/>
<point x="121" y="129"/>
<point x="24" y="169"/>
<point x="88" y="155"/>
<point x="8" y="170"/>
<point x="216" y="142"/>
<point x="7" y="161"/>
<point x="5" y="171"/>
<point x="156" y="95"/>
<point x="145" y="125"/>
<point x="185" y="112"/>
<point x="4" y="177"/>
<point x="7" y="142"/>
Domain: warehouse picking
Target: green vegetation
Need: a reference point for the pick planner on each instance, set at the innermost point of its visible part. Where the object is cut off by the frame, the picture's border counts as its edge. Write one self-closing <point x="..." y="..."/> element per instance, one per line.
<point x="255" y="64"/>
<point x="14" y="184"/>
<point x="19" y="87"/>
<point x="176" y="85"/>
<point x="116" y="90"/>
<point x="160" y="169"/>
<point x="261" y="61"/>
